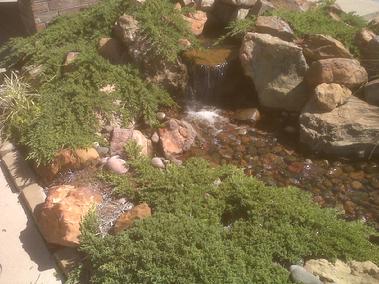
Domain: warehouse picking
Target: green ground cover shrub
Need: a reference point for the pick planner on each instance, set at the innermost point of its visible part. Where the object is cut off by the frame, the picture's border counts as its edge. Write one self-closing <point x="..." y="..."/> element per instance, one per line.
<point x="216" y="225"/>
<point x="71" y="102"/>
<point x="317" y="21"/>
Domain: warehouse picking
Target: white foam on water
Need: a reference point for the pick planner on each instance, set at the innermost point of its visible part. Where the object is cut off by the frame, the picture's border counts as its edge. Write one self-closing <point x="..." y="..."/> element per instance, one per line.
<point x="205" y="116"/>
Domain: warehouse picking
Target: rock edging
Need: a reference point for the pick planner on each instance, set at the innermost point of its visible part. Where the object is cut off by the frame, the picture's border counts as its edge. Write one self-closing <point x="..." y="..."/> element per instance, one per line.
<point x="32" y="196"/>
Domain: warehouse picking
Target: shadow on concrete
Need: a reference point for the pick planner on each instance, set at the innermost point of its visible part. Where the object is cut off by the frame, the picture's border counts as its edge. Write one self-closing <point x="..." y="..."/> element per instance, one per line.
<point x="10" y="22"/>
<point x="33" y="244"/>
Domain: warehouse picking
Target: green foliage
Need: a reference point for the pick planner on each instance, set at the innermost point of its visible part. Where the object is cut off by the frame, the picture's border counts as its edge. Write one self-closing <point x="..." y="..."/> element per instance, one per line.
<point x="238" y="28"/>
<point x="70" y="102"/>
<point x="216" y="225"/>
<point x="163" y="26"/>
<point x="317" y="21"/>
<point x="16" y="103"/>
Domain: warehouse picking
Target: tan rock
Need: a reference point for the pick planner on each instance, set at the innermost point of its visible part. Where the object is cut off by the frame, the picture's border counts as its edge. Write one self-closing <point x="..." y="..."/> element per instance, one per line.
<point x="60" y="216"/>
<point x="127" y="219"/>
<point x="329" y="96"/>
<point x="176" y="137"/>
<point x="121" y="136"/>
<point x="196" y="21"/>
<point x="344" y="273"/>
<point x="316" y="47"/>
<point x="274" y="26"/>
<point x="341" y="71"/>
<point x="70" y="58"/>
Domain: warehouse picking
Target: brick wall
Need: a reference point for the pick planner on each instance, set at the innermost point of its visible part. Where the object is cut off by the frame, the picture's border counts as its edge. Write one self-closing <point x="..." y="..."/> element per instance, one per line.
<point x="37" y="14"/>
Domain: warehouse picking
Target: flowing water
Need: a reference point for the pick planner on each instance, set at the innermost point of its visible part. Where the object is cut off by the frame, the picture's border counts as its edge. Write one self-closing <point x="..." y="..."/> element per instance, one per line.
<point x="270" y="150"/>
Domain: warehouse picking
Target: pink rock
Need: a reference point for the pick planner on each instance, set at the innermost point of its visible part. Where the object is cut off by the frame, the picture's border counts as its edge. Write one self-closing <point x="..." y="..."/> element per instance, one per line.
<point x="196" y="21"/>
<point x="121" y="136"/>
<point x="116" y="165"/>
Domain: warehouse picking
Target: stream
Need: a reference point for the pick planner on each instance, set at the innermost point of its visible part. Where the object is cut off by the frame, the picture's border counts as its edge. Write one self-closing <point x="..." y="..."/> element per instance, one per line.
<point x="270" y="149"/>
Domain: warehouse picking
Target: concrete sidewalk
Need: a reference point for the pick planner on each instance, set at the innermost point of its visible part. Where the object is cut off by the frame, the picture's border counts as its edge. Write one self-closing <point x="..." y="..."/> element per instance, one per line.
<point x="24" y="257"/>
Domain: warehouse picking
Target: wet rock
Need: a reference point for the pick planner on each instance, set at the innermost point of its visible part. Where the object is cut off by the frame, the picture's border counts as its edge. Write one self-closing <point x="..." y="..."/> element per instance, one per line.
<point x="345" y="131"/>
<point x="248" y="114"/>
<point x="158" y="163"/>
<point x="263" y="58"/>
<point x="176" y="137"/>
<point x="121" y="136"/>
<point x="316" y="47"/>
<point x="139" y="212"/>
<point x="300" y="275"/>
<point x="371" y="92"/>
<point x="112" y="50"/>
<point x="274" y="26"/>
<point x="351" y="272"/>
<point x="67" y="159"/>
<point x="196" y="21"/>
<point x="356" y="185"/>
<point x="116" y="165"/>
<point x="161" y="116"/>
<point x="341" y="71"/>
<point x="60" y="216"/>
<point x="329" y="96"/>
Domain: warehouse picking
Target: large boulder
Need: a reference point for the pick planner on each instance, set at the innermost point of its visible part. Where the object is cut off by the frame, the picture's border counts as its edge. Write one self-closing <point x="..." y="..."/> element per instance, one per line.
<point x="371" y="92"/>
<point x="368" y="43"/>
<point x="171" y="74"/>
<point x="261" y="7"/>
<point x="60" y="216"/>
<point x="274" y="26"/>
<point x="329" y="96"/>
<point x="343" y="71"/>
<point x="121" y="136"/>
<point x="225" y="13"/>
<point x="316" y="47"/>
<point x="277" y="69"/>
<point x="176" y="137"/>
<point x="349" y="130"/>
<point x="352" y="272"/>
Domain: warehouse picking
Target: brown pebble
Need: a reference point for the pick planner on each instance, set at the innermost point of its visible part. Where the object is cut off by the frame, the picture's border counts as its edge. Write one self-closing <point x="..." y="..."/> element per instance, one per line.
<point x="356" y="185"/>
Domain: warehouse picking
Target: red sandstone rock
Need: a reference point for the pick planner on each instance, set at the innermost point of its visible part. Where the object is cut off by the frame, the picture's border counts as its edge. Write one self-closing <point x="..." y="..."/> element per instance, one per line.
<point x="177" y="137"/>
<point x="60" y="216"/>
<point x="127" y="219"/>
<point x="121" y="136"/>
<point x="196" y="21"/>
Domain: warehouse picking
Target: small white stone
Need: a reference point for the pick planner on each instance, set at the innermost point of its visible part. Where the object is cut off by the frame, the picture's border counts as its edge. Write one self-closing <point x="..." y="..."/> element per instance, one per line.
<point x="161" y="116"/>
<point x="155" y="137"/>
<point x="158" y="163"/>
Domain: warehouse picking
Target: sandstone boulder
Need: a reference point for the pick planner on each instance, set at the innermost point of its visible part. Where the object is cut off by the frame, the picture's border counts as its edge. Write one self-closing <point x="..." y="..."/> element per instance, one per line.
<point x="371" y="92"/>
<point x="329" y="96"/>
<point x="176" y="137"/>
<point x="349" y="130"/>
<point x="196" y="21"/>
<point x="274" y="26"/>
<point x="121" y="136"/>
<point x="316" y="47"/>
<point x="343" y="71"/>
<point x="277" y="69"/>
<point x="352" y="272"/>
<point x="60" y="216"/>
<point x="261" y="7"/>
<point x="368" y="44"/>
<point x="127" y="219"/>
